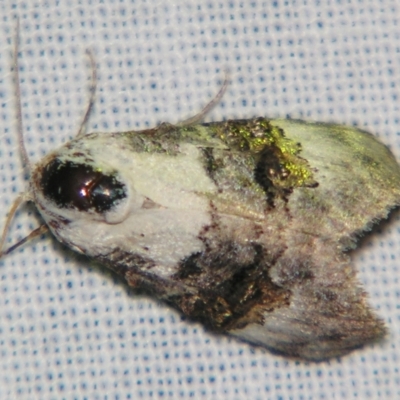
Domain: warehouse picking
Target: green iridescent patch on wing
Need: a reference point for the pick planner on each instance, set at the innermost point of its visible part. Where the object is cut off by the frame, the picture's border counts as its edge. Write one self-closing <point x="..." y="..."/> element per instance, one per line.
<point x="278" y="166"/>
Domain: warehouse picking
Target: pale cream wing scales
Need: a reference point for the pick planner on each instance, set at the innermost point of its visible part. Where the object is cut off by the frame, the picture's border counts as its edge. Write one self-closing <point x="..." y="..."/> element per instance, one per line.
<point x="315" y="333"/>
<point x="359" y="179"/>
<point x="327" y="313"/>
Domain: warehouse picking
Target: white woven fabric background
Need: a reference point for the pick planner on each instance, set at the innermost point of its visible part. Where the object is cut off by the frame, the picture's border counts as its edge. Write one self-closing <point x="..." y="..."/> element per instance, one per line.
<point x="71" y="330"/>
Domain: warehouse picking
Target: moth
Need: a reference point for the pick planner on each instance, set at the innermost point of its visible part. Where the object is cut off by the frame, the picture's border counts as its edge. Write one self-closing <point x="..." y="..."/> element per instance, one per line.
<point x="243" y="225"/>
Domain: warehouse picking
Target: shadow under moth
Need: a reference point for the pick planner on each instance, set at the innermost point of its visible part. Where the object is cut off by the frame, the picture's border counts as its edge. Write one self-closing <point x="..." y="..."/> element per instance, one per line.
<point x="243" y="225"/>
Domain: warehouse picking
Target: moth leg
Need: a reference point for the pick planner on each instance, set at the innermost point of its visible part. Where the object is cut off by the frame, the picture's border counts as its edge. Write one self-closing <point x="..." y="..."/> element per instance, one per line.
<point x="92" y="89"/>
<point x="22" y="198"/>
<point x="199" y="116"/>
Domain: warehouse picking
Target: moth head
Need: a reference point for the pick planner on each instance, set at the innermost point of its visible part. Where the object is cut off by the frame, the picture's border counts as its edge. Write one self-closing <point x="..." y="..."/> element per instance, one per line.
<point x="82" y="187"/>
<point x="69" y="186"/>
<point x="77" y="182"/>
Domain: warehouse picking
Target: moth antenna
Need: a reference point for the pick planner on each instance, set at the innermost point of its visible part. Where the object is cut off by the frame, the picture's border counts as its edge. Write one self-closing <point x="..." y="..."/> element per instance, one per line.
<point x="93" y="84"/>
<point x="23" y="197"/>
<point x="199" y="116"/>
<point x="20" y="125"/>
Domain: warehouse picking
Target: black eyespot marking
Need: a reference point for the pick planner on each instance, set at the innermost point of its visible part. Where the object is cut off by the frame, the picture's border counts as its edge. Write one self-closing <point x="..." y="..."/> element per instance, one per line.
<point x="79" y="186"/>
